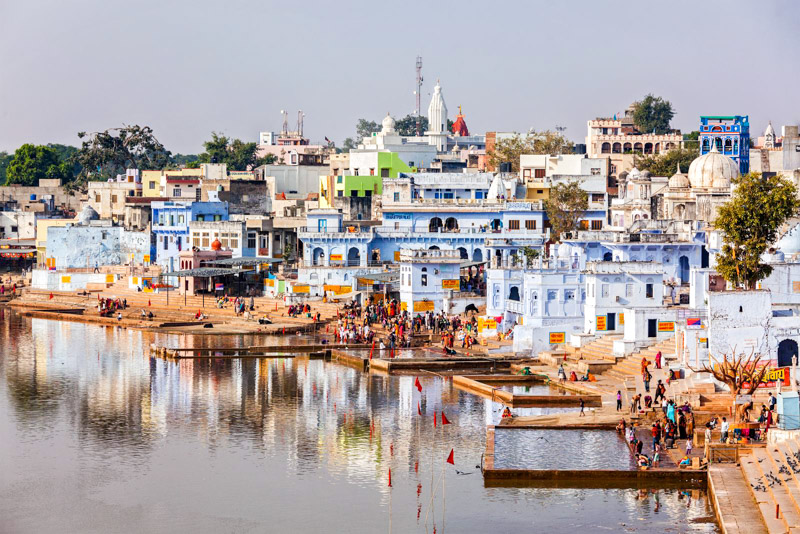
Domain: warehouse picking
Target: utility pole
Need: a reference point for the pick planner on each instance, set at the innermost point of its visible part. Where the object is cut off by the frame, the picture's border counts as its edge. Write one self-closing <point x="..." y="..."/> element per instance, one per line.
<point x="418" y="94"/>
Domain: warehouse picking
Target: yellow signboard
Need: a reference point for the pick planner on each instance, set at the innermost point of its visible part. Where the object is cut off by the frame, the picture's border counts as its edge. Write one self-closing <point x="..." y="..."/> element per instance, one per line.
<point x="621" y="319"/>
<point x="336" y="257"/>
<point x="396" y="255"/>
<point x="301" y="289"/>
<point x="146" y="258"/>
<point x="666" y="326"/>
<point x="490" y="324"/>
<point x="423" y="306"/>
<point x="451" y="284"/>
<point x="601" y="323"/>
<point x="338" y="290"/>
<point x="109" y="279"/>
<point x="66" y="279"/>
<point x="558" y="337"/>
<point x="404" y="306"/>
<point x="269" y="282"/>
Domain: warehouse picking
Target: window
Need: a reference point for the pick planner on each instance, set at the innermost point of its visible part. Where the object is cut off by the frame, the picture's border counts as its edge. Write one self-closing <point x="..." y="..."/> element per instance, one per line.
<point x="234" y="241"/>
<point x="410" y="163"/>
<point x="14" y="229"/>
<point x="372" y="171"/>
<point x="180" y="219"/>
<point x="597" y="225"/>
<point x="367" y="193"/>
<point x="166" y="243"/>
<point x="223" y="238"/>
<point x="598" y="197"/>
<point x="113" y="199"/>
<point x="584" y="225"/>
<point x="353" y="192"/>
<point x="152" y="185"/>
<point x="526" y="173"/>
<point x="176" y="192"/>
<point x="540" y="191"/>
<point x="424" y="277"/>
<point x="530" y="225"/>
<point x="251" y="240"/>
<point x="339" y="193"/>
<point x="205" y="240"/>
<point x="604" y="290"/>
<point x="396" y="197"/>
<point x="513" y="225"/>
<point x="648" y="291"/>
<point x="628" y="290"/>
<point x="217" y="217"/>
<point x="595" y="171"/>
<point x="355" y="172"/>
<point x="97" y="198"/>
<point x="539" y="173"/>
<point x="195" y="239"/>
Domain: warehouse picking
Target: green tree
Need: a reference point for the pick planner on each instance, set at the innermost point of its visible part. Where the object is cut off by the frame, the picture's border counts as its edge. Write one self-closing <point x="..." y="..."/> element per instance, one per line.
<point x="565" y="207"/>
<point x="32" y="163"/>
<point x="235" y="153"/>
<point x="749" y="222"/>
<point x="653" y="114"/>
<point x="666" y="164"/>
<point x="5" y="159"/>
<point x="348" y="144"/>
<point x="509" y="149"/>
<point x="407" y="126"/>
<point x="365" y="128"/>
<point x="183" y="160"/>
<point x="105" y="154"/>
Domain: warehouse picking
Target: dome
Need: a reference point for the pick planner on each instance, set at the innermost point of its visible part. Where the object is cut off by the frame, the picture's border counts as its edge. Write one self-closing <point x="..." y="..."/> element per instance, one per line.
<point x="713" y="170"/>
<point x="87" y="214"/>
<point x="678" y="180"/>
<point x="635" y="174"/>
<point x="216" y="245"/>
<point x="623" y="175"/>
<point x="645" y="175"/>
<point x="563" y="250"/>
<point x="387" y="125"/>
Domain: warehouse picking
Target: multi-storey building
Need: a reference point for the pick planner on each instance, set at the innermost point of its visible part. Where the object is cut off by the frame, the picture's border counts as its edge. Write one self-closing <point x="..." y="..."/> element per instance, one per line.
<point x="729" y="135"/>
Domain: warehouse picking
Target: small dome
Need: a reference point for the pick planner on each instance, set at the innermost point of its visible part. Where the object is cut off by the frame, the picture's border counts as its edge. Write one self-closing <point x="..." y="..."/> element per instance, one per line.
<point x="645" y="175"/>
<point x="563" y="250"/>
<point x="87" y="214"/>
<point x="678" y="180"/>
<point x="713" y="170"/>
<point x="634" y="174"/>
<point x="387" y="124"/>
<point x="216" y="245"/>
<point x="623" y="175"/>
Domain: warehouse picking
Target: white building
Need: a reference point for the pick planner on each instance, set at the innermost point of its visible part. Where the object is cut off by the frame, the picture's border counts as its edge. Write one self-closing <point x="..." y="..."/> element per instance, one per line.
<point x="428" y="279"/>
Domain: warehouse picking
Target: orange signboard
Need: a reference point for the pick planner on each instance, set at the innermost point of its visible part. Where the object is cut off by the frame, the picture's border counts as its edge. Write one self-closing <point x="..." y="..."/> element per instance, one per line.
<point x="666" y="326"/>
<point x="451" y="284"/>
<point x="423" y="305"/>
<point x="601" y="323"/>
<point x="557" y="337"/>
<point x="301" y="289"/>
<point x="337" y="257"/>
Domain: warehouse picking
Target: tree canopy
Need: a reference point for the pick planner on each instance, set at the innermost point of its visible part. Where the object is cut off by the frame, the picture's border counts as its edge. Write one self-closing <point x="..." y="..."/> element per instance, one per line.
<point x="565" y="207"/>
<point x="750" y="221"/>
<point x="665" y="164"/>
<point x="235" y="153"/>
<point x="511" y="148"/>
<point x="365" y="128"/>
<point x="652" y="114"/>
<point x="31" y="163"/>
<point x="105" y="154"/>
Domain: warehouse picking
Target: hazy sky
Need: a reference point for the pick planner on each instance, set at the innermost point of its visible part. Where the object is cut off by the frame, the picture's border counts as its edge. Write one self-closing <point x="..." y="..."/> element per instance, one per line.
<point x="189" y="67"/>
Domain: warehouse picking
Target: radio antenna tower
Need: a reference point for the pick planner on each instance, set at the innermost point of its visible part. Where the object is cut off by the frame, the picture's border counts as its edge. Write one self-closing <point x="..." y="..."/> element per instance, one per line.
<point x="418" y="93"/>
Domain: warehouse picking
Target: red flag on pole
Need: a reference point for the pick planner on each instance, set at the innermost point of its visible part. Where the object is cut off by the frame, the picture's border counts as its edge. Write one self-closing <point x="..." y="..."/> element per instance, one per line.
<point x="419" y="410"/>
<point x="445" y="421"/>
<point x="450" y="458"/>
<point x="418" y="385"/>
<point x="390" y="477"/>
<point x="434" y="419"/>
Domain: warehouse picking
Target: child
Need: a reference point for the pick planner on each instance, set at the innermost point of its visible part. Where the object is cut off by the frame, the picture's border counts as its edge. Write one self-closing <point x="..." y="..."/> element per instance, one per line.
<point x="656" y="454"/>
<point x="689" y="446"/>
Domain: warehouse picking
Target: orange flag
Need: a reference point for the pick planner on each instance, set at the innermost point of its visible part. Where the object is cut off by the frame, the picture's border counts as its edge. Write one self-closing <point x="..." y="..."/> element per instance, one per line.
<point x="450" y="458"/>
<point x="445" y="421"/>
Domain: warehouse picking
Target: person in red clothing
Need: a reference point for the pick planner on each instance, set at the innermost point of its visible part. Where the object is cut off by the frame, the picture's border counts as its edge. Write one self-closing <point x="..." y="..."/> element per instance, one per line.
<point x="658" y="360"/>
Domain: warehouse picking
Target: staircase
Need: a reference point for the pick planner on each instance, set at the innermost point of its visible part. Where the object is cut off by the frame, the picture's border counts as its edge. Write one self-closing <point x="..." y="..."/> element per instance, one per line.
<point x="773" y="475"/>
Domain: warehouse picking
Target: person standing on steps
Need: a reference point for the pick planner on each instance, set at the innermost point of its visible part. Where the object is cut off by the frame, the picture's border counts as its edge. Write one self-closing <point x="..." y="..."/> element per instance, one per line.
<point x="619" y="400"/>
<point x="658" y="360"/>
<point x="583" y="405"/>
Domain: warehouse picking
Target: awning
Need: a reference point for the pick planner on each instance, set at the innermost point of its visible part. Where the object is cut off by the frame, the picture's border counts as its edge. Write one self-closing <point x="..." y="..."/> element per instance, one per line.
<point x="205" y="272"/>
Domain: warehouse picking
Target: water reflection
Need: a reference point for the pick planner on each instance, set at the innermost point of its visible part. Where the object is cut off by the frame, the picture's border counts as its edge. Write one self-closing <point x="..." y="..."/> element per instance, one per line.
<point x="106" y="438"/>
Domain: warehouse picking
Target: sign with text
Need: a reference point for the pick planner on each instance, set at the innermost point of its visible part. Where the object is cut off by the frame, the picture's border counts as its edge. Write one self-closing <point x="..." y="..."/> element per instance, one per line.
<point x="451" y="284"/>
<point x="336" y="257"/>
<point x="694" y="323"/>
<point x="666" y="326"/>
<point x="423" y="306"/>
<point x="602" y="324"/>
<point x="301" y="289"/>
<point x="557" y="337"/>
<point x="269" y="282"/>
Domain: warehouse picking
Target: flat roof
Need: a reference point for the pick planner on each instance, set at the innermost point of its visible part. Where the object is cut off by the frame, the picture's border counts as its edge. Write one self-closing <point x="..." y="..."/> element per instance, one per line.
<point x="206" y="272"/>
<point x="238" y="262"/>
<point x="381" y="277"/>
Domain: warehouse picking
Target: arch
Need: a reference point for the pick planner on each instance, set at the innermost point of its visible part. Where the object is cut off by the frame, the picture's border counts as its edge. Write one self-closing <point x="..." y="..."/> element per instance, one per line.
<point x="616" y="148"/>
<point x="678" y="212"/>
<point x="728" y="145"/>
<point x="496" y="224"/>
<point x="533" y="305"/>
<point x="667" y="147"/>
<point x="450" y="224"/>
<point x="435" y="225"/>
<point x="637" y="147"/>
<point x="718" y="143"/>
<point x="716" y="128"/>
<point x="787" y="349"/>
<point x="318" y="256"/>
<point x="433" y="247"/>
<point x="648" y="148"/>
<point x="605" y="148"/>
<point x="477" y="255"/>
<point x="353" y="256"/>
<point x="683" y="269"/>
<point x="706" y="146"/>
<point x="657" y="148"/>
<point x="463" y="252"/>
<point x="608" y="256"/>
<point x="513" y="293"/>
<point x="627" y="148"/>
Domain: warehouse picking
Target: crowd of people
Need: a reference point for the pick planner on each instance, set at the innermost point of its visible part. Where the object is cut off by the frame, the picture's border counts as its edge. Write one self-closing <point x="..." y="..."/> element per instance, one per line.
<point x="107" y="306"/>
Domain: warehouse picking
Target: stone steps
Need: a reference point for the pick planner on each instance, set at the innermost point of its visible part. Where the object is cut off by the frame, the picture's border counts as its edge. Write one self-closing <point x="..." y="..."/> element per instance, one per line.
<point x="773" y="476"/>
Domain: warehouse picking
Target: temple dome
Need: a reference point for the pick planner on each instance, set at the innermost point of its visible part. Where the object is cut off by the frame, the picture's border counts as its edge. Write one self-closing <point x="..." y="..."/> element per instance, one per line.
<point x="635" y="174"/>
<point x="713" y="170"/>
<point x="678" y="180"/>
<point x="387" y="125"/>
<point x="87" y="214"/>
<point x="216" y="245"/>
<point x="460" y="125"/>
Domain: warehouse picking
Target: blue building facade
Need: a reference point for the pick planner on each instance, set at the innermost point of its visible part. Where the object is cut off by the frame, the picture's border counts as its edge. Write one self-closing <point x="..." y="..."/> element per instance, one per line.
<point x="730" y="135"/>
<point x="171" y="226"/>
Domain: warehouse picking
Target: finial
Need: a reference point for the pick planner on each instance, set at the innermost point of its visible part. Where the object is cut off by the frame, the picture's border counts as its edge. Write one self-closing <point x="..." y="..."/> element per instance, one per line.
<point x="679" y="167"/>
<point x="459" y="110"/>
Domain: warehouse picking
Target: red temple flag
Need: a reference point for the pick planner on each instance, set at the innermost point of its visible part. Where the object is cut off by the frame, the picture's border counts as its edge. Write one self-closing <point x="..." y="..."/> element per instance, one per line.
<point x="445" y="421"/>
<point x="450" y="458"/>
<point x="418" y="385"/>
<point x="419" y="410"/>
<point x="434" y="419"/>
<point x="390" y="477"/>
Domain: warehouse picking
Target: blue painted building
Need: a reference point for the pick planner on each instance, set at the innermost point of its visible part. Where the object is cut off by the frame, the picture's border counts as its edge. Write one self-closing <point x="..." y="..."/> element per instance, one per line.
<point x="730" y="135"/>
<point x="170" y="226"/>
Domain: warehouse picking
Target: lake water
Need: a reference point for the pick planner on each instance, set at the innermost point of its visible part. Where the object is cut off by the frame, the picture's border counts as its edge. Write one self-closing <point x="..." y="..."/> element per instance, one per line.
<point x="97" y="436"/>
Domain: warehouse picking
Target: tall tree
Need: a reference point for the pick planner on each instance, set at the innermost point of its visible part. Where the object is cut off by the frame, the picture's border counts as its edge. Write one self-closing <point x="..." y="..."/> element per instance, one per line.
<point x="365" y="128"/>
<point x="565" y="207"/>
<point x="105" y="154"/>
<point x="750" y="221"/>
<point x="235" y="153"/>
<point x="5" y="159"/>
<point x="653" y="114"/>
<point x="32" y="163"/>
<point x="666" y="164"/>
<point x="407" y="126"/>
<point x="511" y="148"/>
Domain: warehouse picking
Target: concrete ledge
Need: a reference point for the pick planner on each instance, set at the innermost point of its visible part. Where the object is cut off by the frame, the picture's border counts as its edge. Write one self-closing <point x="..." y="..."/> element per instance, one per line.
<point x="596" y="478"/>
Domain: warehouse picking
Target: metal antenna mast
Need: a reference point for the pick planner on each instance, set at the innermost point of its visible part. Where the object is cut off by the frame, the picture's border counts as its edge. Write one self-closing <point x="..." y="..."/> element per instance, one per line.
<point x="285" y="127"/>
<point x="418" y="92"/>
<point x="300" y="116"/>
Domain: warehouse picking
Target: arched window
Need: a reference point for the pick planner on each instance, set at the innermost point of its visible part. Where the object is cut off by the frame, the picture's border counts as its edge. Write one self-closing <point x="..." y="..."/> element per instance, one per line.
<point x="606" y="148"/>
<point x="728" y="146"/>
<point x="616" y="148"/>
<point x="718" y="143"/>
<point x="424" y="277"/>
<point x="648" y="148"/>
<point x="706" y="147"/>
<point x="513" y="293"/>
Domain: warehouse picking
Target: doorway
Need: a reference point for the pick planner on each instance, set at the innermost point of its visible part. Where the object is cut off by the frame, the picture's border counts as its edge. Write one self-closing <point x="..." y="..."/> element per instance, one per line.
<point x="611" y="321"/>
<point x="652" y="327"/>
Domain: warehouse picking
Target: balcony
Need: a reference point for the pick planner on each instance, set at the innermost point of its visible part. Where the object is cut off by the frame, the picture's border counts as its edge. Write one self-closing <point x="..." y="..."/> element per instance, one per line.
<point x="354" y="232"/>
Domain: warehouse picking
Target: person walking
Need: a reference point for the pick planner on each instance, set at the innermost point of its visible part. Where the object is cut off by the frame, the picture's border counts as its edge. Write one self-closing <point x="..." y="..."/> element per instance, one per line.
<point x="707" y="439"/>
<point x="619" y="400"/>
<point x="646" y="379"/>
<point x="658" y="360"/>
<point x="583" y="405"/>
<point x="562" y="374"/>
<point x="723" y="430"/>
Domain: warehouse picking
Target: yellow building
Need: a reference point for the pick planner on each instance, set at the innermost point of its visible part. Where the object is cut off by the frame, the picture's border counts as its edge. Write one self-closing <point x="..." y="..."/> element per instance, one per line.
<point x="151" y="183"/>
<point x="537" y="191"/>
<point x="42" y="225"/>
